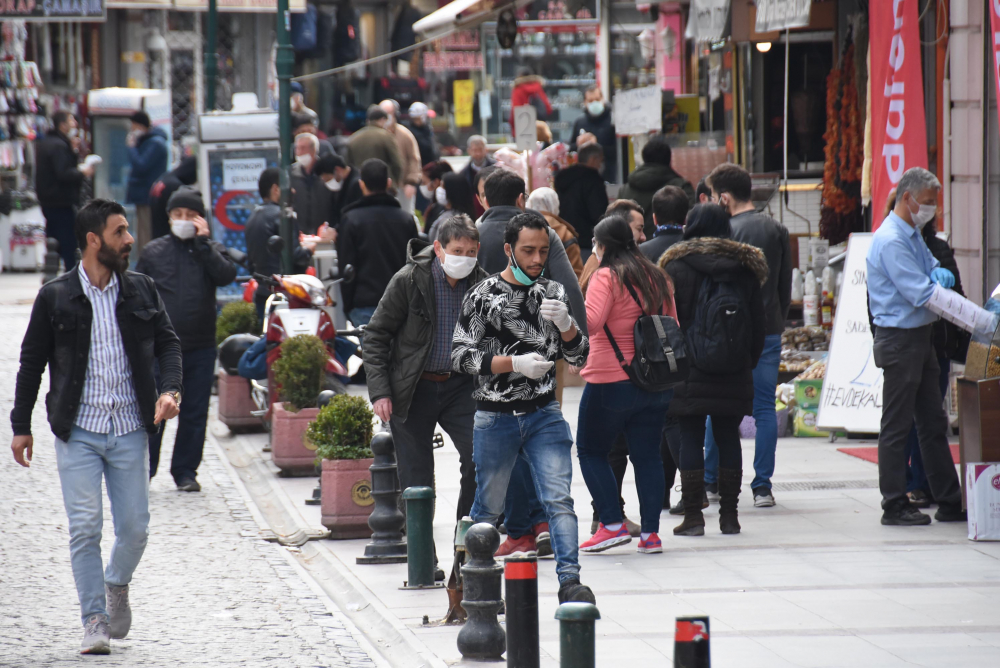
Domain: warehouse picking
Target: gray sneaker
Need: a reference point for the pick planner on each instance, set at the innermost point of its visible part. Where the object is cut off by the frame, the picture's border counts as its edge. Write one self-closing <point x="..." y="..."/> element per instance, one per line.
<point x="119" y="612"/>
<point x="96" y="636"/>
<point x="763" y="498"/>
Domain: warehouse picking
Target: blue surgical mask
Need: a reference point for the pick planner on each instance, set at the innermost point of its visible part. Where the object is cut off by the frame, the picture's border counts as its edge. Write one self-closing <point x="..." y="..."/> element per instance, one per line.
<point x="522" y="277"/>
<point x="595" y="108"/>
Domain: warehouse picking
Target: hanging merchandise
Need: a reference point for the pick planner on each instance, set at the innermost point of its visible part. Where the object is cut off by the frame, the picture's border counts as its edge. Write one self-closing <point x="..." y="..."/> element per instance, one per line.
<point x="347" y="37"/>
<point x="19" y="113"/>
<point x="304" y="30"/>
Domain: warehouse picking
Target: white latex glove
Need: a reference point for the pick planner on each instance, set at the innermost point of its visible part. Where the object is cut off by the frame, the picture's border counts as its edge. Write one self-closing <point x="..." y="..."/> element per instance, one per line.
<point x="532" y="365"/>
<point x="558" y="313"/>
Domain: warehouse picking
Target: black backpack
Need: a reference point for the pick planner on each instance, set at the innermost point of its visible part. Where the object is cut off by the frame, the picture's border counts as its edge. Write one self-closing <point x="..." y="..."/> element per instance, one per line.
<point x="721" y="333"/>
<point x="661" y="360"/>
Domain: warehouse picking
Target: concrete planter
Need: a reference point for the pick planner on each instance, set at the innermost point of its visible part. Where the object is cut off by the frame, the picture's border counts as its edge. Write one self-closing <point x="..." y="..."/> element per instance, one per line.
<point x="347" y="499"/>
<point x="291" y="451"/>
<point x="235" y="404"/>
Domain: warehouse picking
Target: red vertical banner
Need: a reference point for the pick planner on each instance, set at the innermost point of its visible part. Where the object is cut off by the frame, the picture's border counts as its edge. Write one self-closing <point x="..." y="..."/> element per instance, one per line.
<point x="995" y="42"/>
<point x="899" y="133"/>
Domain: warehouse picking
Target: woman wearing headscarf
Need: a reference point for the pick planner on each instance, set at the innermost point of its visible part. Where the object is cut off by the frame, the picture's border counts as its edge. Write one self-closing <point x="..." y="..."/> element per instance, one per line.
<point x="546" y="202"/>
<point x="717" y="290"/>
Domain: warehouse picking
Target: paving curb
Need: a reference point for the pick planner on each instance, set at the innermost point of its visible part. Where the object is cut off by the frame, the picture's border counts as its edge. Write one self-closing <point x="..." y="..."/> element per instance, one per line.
<point x="278" y="518"/>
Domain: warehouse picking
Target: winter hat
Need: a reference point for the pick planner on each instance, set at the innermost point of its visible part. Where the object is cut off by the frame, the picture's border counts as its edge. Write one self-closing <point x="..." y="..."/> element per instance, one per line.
<point x="418" y="110"/>
<point x="188" y="197"/>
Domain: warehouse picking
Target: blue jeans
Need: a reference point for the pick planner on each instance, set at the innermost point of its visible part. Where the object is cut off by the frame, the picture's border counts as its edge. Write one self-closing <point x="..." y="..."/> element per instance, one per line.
<point x="123" y="463"/>
<point x="198" y="367"/>
<point x="361" y="315"/>
<point x="765" y="380"/>
<point x="544" y="439"/>
<point x="606" y="410"/>
<point x="522" y="510"/>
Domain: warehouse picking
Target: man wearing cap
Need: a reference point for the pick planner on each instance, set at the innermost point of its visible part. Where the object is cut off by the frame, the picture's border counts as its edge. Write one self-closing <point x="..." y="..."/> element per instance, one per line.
<point x="422" y="131"/>
<point x="298" y="103"/>
<point x="409" y="152"/>
<point x="187" y="267"/>
<point x="148" y="155"/>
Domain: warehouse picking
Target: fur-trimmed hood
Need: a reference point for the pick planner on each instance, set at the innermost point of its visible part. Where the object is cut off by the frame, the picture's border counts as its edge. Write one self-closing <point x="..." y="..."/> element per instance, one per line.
<point x="529" y="79"/>
<point x="712" y="254"/>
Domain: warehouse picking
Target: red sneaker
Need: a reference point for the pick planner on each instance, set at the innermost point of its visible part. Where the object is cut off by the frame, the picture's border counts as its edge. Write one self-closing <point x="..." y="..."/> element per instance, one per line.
<point x="652" y="545"/>
<point x="542" y="539"/>
<point x="605" y="539"/>
<point x="512" y="545"/>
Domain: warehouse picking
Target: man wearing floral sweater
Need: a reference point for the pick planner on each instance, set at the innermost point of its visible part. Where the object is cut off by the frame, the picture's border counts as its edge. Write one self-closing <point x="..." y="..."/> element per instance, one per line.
<point x="512" y="329"/>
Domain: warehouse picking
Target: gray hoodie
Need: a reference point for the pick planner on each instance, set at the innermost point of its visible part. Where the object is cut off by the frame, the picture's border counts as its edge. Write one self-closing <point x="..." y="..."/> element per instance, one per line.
<point x="493" y="259"/>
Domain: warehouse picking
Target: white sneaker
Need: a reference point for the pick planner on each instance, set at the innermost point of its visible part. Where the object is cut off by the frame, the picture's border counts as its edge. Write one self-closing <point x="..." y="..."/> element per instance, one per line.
<point x="96" y="636"/>
<point x="762" y="498"/>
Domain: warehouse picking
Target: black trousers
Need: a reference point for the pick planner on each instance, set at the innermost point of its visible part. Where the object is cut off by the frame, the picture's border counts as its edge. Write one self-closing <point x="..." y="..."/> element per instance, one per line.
<point x="451" y="405"/>
<point x="670" y="443"/>
<point x="911" y="393"/>
<point x="727" y="436"/>
<point x="199" y="373"/>
<point x="59" y="222"/>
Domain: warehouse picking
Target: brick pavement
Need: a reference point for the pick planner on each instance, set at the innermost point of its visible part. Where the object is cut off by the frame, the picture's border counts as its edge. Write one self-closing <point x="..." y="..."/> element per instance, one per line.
<point x="208" y="591"/>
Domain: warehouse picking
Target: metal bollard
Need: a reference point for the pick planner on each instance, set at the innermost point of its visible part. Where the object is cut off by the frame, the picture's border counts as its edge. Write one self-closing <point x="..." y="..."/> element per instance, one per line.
<point x="482" y="637"/>
<point x="577" y="647"/>
<point x="51" y="269"/>
<point x="387" y="545"/>
<point x="691" y="648"/>
<point x="520" y="575"/>
<point x="420" y="538"/>
<point x="317" y="498"/>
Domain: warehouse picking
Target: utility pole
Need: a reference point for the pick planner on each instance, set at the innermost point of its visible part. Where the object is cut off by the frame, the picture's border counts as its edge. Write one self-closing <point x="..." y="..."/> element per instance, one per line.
<point x="211" y="59"/>
<point x="283" y="64"/>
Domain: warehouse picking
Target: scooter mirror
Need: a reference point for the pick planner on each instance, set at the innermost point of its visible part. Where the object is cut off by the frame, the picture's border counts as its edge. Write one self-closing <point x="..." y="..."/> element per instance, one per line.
<point x="275" y="244"/>
<point x="349" y="274"/>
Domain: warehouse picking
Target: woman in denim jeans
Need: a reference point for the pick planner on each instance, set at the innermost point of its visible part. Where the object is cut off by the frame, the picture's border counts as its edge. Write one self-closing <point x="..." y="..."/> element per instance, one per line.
<point x="611" y="403"/>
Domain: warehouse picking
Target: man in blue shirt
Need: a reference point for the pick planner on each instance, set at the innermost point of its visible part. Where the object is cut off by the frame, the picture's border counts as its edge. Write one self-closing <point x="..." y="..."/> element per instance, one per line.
<point x="902" y="275"/>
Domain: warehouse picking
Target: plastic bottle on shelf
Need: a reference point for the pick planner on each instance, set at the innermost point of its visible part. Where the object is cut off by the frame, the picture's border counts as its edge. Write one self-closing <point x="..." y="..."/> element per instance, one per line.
<point x="796" y="285"/>
<point x="810" y="301"/>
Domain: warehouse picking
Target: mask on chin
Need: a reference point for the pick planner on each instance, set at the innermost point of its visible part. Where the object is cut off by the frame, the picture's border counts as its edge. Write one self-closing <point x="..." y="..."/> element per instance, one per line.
<point x="519" y="274"/>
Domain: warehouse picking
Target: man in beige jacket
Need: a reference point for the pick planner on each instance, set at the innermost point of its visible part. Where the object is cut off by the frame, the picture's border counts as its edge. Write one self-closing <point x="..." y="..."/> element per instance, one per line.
<point x="409" y="151"/>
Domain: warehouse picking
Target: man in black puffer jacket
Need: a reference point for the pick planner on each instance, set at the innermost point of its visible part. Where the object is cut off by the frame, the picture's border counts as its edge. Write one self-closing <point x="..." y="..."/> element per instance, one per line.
<point x="187" y="266"/>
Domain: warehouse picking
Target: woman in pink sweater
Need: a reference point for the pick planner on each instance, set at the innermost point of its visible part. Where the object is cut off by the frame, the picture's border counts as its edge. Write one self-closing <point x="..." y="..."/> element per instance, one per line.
<point x="611" y="403"/>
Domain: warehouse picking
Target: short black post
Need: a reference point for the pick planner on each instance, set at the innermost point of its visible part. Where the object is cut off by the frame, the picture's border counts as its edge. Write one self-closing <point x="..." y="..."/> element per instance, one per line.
<point x="420" y="538"/>
<point x="691" y="648"/>
<point x="482" y="637"/>
<point x="577" y="646"/>
<point x="520" y="576"/>
<point x="51" y="269"/>
<point x="317" y="498"/>
<point x="386" y="521"/>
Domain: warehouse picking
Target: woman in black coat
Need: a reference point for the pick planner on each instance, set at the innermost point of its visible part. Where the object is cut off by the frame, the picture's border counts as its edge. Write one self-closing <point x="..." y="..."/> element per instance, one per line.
<point x="706" y="261"/>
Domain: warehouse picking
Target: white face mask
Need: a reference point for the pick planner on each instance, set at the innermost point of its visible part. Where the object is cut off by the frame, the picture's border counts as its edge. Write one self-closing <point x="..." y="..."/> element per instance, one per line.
<point x="925" y="214"/>
<point x="182" y="229"/>
<point x="595" y="108"/>
<point x="458" y="266"/>
<point x="334" y="185"/>
<point x="440" y="196"/>
<point x="305" y="159"/>
<point x="426" y="192"/>
<point x="73" y="133"/>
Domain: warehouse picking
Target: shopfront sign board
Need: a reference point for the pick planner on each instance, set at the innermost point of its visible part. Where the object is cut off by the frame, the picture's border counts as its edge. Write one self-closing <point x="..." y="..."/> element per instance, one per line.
<point x="852" y="390"/>
<point x="995" y="32"/>
<point x="525" y="131"/>
<point x="782" y="14"/>
<point x="637" y="111"/>
<point x="707" y="19"/>
<point x="64" y="11"/>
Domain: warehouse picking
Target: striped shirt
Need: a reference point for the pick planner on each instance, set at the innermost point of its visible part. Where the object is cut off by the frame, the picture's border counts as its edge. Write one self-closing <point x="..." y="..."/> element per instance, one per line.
<point x="448" y="307"/>
<point x="108" y="403"/>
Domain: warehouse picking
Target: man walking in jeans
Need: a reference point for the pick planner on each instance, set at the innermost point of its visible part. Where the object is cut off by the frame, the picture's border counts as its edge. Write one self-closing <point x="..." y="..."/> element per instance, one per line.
<point x="731" y="188"/>
<point x="512" y="329"/>
<point x="99" y="329"/>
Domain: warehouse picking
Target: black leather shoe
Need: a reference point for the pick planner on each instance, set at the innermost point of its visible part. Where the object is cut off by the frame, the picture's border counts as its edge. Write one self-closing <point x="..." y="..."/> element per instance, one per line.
<point x="572" y="590"/>
<point x="951" y="513"/>
<point x="188" y="485"/>
<point x="904" y="515"/>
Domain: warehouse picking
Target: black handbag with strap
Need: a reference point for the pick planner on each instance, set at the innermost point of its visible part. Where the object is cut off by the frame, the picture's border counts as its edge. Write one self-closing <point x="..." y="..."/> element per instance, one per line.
<point x="661" y="360"/>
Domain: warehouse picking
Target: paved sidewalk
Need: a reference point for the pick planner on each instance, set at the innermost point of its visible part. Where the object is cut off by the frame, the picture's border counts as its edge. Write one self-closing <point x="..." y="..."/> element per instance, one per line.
<point x="208" y="592"/>
<point x="815" y="581"/>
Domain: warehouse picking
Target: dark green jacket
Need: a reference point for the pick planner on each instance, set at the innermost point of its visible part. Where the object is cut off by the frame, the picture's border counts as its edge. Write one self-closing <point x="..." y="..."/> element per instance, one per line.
<point x="399" y="336"/>
<point x="643" y="184"/>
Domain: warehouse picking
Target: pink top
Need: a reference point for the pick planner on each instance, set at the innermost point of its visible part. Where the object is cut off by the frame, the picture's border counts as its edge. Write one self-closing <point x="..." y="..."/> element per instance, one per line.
<point x="608" y="302"/>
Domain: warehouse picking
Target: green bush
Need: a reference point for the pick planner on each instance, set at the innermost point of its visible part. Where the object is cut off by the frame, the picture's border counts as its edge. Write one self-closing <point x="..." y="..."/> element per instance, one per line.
<point x="236" y="318"/>
<point x="343" y="429"/>
<point x="300" y="370"/>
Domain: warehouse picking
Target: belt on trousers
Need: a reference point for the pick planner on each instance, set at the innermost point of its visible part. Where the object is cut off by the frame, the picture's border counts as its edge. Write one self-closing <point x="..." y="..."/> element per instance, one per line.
<point x="435" y="377"/>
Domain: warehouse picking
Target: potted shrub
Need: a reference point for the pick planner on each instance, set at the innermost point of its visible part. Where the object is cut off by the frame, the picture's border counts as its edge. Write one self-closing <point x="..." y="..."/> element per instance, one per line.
<point x="341" y="433"/>
<point x="235" y="402"/>
<point x="298" y="376"/>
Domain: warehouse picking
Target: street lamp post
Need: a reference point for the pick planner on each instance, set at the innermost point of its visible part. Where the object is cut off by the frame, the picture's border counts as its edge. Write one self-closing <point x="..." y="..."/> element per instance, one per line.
<point x="211" y="59"/>
<point x="283" y="64"/>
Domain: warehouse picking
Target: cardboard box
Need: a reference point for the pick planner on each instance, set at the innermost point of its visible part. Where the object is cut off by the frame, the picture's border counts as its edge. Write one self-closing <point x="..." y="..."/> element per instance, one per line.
<point x="804" y="424"/>
<point x="982" y="481"/>
<point x="808" y="393"/>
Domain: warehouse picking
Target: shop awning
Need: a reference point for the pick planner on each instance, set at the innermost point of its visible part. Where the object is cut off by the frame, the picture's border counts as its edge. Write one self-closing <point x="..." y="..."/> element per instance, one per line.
<point x="461" y="13"/>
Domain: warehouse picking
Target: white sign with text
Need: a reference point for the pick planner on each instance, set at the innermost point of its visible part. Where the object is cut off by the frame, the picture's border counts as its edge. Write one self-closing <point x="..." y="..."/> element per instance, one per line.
<point x="782" y="14"/>
<point x="852" y="390"/>
<point x="637" y="111"/>
<point x="242" y="173"/>
<point x="525" y="130"/>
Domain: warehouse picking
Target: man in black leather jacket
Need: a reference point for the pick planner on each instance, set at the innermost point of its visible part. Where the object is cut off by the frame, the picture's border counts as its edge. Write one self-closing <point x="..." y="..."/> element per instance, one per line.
<point x="187" y="267"/>
<point x="100" y="328"/>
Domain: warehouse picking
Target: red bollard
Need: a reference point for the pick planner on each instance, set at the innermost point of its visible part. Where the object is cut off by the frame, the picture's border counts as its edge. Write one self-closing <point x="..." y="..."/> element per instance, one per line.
<point x="691" y="643"/>
<point x="520" y="575"/>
